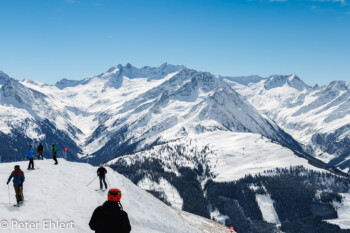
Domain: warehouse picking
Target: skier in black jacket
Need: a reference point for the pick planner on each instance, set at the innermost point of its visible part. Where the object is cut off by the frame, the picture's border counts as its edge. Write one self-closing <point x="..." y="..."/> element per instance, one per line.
<point x="110" y="217"/>
<point x="101" y="172"/>
<point x="40" y="151"/>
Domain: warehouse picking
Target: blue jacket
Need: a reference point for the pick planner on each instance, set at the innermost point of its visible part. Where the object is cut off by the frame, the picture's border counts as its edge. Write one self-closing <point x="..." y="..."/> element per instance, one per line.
<point x="29" y="153"/>
<point x="18" y="178"/>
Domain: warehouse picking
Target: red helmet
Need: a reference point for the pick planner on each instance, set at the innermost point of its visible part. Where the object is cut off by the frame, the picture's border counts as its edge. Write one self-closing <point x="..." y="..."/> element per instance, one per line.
<point x="114" y="195"/>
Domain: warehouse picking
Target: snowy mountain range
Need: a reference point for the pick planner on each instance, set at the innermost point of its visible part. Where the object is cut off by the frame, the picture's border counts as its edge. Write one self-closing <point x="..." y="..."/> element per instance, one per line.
<point x="127" y="109"/>
<point x="317" y="117"/>
<point x="182" y="134"/>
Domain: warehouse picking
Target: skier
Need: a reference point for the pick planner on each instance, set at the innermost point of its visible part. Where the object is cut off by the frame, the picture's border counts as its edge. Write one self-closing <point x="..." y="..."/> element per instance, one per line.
<point x="40" y="151"/>
<point x="101" y="172"/>
<point x="110" y="217"/>
<point x="18" y="179"/>
<point x="30" y="156"/>
<point x="54" y="152"/>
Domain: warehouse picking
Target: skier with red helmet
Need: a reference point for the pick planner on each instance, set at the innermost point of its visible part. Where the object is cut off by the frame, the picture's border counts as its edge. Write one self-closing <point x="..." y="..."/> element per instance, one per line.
<point x="110" y="217"/>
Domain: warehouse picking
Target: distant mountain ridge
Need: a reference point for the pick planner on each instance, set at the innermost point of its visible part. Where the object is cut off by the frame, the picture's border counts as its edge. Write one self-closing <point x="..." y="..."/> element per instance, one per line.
<point x="315" y="116"/>
<point x="180" y="133"/>
<point x="285" y="92"/>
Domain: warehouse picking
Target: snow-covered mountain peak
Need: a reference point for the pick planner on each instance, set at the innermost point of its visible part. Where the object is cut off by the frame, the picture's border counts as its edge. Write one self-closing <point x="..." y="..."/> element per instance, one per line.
<point x="148" y="72"/>
<point x="3" y="77"/>
<point x="32" y="82"/>
<point x="339" y="85"/>
<point x="316" y="87"/>
<point x="293" y="81"/>
<point x="114" y="69"/>
<point x="14" y="93"/>
<point x="114" y="76"/>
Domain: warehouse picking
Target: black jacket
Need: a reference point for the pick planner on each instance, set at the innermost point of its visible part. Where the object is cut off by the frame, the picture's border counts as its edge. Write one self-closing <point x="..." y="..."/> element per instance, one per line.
<point x="110" y="218"/>
<point x="40" y="148"/>
<point x="101" y="171"/>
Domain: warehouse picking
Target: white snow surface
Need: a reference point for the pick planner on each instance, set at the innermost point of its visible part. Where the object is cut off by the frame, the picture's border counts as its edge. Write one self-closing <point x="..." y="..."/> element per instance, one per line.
<point x="61" y="193"/>
<point x="218" y="217"/>
<point x="238" y="154"/>
<point x="343" y="210"/>
<point x="266" y="207"/>
<point x="170" y="193"/>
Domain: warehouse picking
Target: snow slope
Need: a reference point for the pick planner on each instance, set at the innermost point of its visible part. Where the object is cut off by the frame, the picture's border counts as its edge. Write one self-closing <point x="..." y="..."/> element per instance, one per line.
<point x="61" y="193"/>
<point x="266" y="206"/>
<point x="227" y="156"/>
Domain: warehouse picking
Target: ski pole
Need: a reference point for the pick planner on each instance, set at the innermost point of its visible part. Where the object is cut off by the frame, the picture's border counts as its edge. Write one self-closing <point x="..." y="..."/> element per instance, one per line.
<point x="108" y="182"/>
<point x="36" y="166"/>
<point x="8" y="188"/>
<point x="91" y="181"/>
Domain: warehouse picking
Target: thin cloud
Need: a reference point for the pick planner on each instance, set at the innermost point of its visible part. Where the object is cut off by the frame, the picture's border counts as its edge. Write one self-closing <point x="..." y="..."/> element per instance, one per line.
<point x="343" y="2"/>
<point x="278" y="0"/>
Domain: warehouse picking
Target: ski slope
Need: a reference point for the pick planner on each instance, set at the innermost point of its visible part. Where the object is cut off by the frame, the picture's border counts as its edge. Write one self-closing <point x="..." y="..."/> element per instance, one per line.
<point x="229" y="156"/>
<point x="60" y="193"/>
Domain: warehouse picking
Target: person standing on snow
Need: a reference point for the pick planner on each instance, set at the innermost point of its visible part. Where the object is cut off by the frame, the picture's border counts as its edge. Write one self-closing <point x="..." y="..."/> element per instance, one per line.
<point x="101" y="172"/>
<point x="30" y="156"/>
<point x="40" y="151"/>
<point x="110" y="217"/>
<point x="54" y="153"/>
<point x="18" y="179"/>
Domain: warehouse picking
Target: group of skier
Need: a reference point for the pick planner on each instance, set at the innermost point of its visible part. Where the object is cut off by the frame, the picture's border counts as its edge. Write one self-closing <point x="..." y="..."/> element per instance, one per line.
<point x="40" y="150"/>
<point x="18" y="175"/>
<point x="110" y="217"/>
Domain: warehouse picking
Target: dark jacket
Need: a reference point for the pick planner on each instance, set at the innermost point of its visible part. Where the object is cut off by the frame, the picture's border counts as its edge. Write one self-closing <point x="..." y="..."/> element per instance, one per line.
<point x="101" y="171"/>
<point x="40" y="148"/>
<point x="18" y="178"/>
<point x="110" y="218"/>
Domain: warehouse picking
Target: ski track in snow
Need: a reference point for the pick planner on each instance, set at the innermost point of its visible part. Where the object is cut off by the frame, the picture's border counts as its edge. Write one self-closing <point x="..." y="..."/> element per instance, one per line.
<point x="61" y="193"/>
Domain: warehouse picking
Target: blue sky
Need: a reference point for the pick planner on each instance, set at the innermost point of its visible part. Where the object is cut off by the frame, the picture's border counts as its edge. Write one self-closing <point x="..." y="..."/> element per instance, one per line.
<point x="50" y="40"/>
